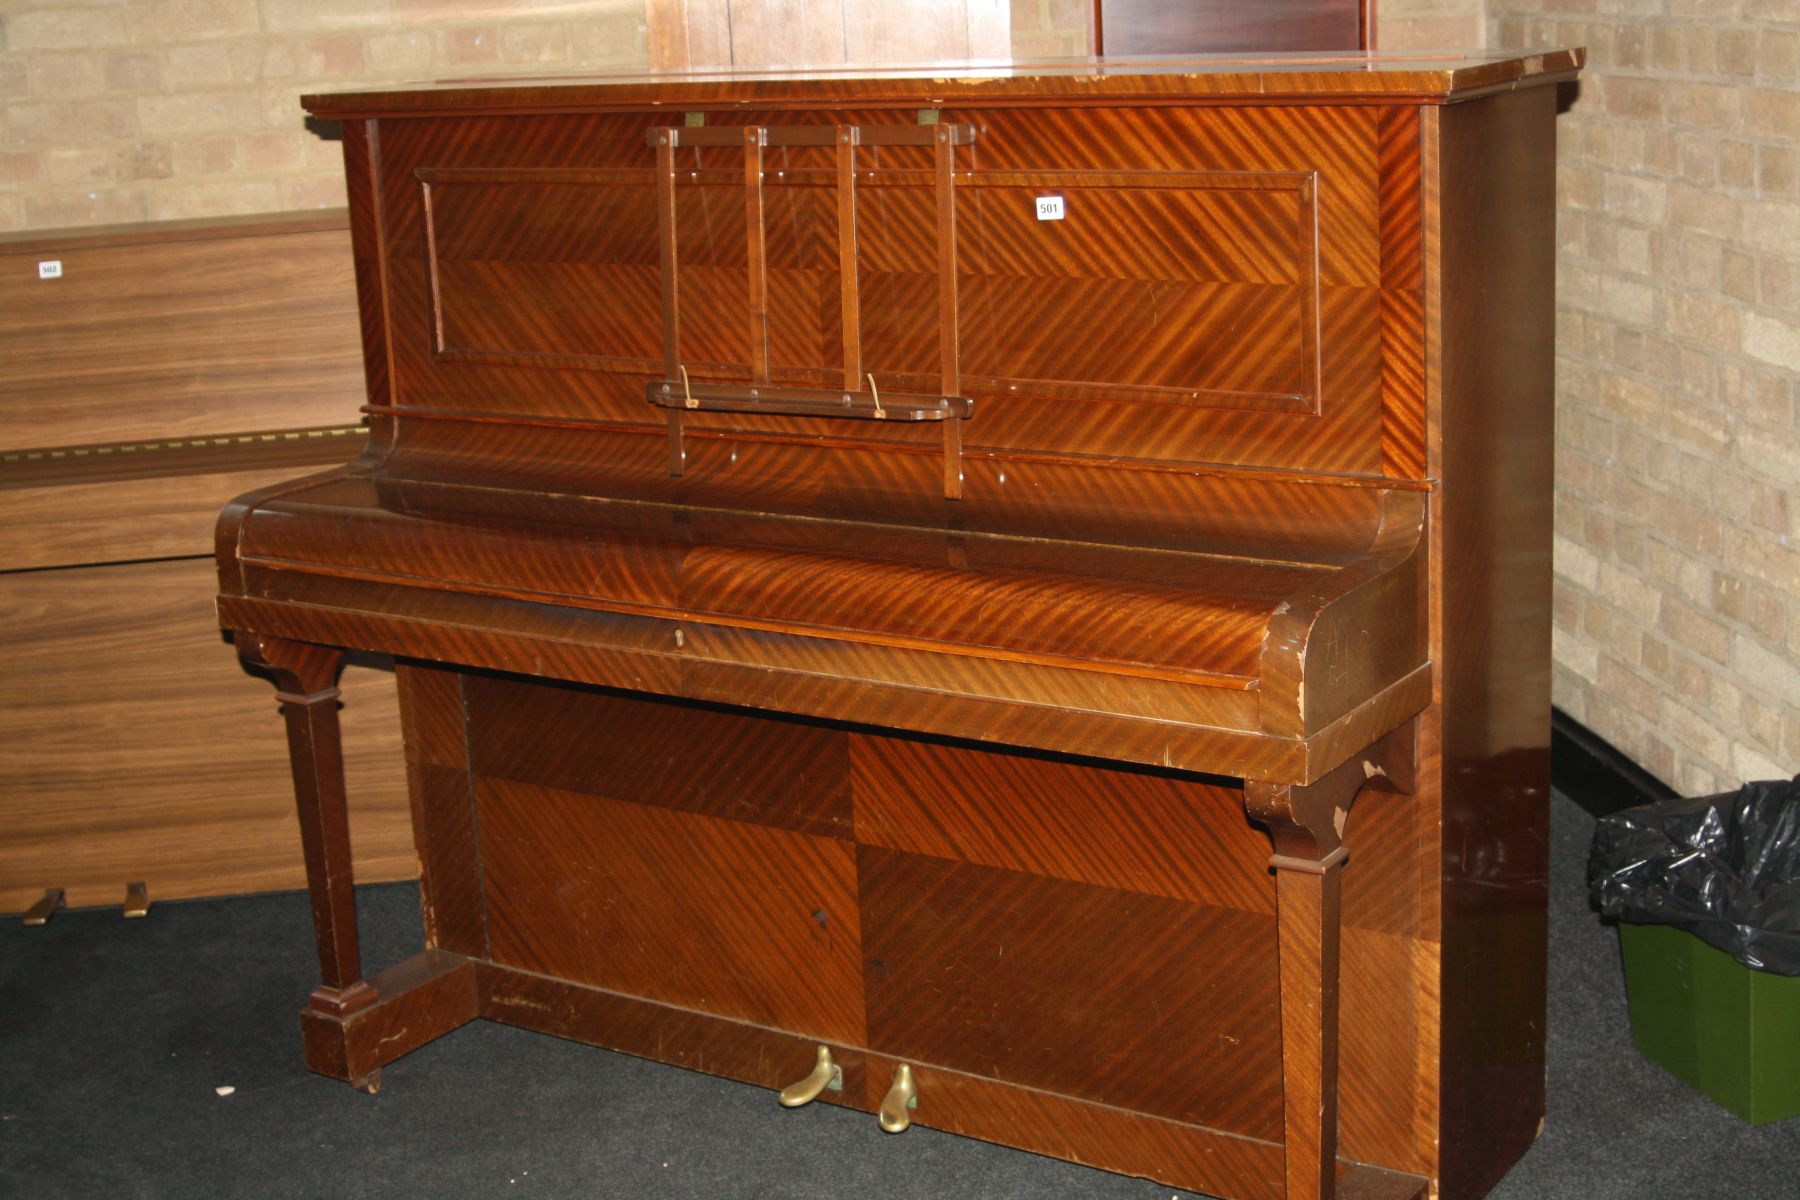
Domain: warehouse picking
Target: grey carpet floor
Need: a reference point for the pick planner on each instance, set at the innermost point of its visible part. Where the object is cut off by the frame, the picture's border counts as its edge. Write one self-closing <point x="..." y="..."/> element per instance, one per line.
<point x="115" y="1034"/>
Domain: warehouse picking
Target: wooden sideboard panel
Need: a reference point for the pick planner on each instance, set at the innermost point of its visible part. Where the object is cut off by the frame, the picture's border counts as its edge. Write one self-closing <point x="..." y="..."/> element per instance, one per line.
<point x="78" y="518"/>
<point x="171" y="367"/>
<point x="179" y="329"/>
<point x="1494" y="519"/>
<point x="138" y="749"/>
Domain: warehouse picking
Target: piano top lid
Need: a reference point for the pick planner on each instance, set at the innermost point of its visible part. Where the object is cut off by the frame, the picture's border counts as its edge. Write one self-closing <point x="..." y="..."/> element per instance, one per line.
<point x="1366" y="77"/>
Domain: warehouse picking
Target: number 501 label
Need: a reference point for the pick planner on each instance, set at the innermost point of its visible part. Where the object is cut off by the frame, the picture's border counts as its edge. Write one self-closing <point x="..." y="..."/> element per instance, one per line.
<point x="1049" y="208"/>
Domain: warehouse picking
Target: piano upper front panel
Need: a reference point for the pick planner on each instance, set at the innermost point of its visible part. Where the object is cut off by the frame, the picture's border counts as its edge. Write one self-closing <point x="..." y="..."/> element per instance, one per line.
<point x="560" y="264"/>
<point x="1183" y="310"/>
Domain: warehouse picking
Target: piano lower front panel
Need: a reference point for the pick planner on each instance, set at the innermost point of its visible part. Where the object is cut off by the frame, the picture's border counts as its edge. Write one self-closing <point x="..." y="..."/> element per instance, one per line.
<point x="1073" y="955"/>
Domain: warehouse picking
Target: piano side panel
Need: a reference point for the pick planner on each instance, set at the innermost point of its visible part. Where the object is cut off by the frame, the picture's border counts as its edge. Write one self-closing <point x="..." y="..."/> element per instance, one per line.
<point x="362" y="170"/>
<point x="1387" y="1037"/>
<point x="1488" y="739"/>
<point x="432" y="716"/>
<point x="1388" y="983"/>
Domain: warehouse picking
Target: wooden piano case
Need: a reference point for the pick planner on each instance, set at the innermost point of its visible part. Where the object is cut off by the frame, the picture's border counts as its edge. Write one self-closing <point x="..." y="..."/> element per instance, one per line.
<point x="878" y="563"/>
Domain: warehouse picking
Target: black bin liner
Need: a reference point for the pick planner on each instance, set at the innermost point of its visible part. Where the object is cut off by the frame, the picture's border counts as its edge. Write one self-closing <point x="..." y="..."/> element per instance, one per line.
<point x="1725" y="868"/>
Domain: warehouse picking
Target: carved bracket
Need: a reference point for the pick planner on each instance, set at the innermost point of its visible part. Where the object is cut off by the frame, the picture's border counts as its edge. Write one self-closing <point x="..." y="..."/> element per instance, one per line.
<point x="1306" y="821"/>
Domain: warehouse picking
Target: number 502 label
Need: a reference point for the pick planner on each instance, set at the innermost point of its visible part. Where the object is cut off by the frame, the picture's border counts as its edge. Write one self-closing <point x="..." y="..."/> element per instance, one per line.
<point x="1049" y="208"/>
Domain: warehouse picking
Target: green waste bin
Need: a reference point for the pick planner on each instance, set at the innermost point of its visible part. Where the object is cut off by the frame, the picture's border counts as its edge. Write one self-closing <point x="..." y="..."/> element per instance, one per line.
<point x="1707" y="892"/>
<point x="1731" y="1032"/>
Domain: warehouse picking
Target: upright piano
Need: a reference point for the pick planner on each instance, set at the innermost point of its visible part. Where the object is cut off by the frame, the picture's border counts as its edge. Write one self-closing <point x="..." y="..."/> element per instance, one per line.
<point x="1013" y="600"/>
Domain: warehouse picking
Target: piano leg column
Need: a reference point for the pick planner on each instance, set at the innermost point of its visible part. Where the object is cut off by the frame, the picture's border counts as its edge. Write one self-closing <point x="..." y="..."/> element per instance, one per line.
<point x="1307" y="825"/>
<point x="306" y="682"/>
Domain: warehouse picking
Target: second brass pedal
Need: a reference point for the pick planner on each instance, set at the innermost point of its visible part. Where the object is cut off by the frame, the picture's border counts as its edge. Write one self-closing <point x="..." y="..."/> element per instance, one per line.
<point x="902" y="1097"/>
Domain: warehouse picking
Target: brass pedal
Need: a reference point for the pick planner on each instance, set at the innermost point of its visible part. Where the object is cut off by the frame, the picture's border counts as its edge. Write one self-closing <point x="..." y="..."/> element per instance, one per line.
<point x="825" y="1075"/>
<point x="39" y="913"/>
<point x="902" y="1097"/>
<point x="137" y="900"/>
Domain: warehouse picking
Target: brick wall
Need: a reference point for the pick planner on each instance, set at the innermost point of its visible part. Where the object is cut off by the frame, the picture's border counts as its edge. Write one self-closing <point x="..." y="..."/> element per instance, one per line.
<point x="132" y="110"/>
<point x="1051" y="28"/>
<point x="1677" y="633"/>
<point x="1402" y="25"/>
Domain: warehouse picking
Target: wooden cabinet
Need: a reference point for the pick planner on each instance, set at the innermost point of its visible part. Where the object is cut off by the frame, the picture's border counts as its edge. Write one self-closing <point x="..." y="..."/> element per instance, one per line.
<point x="161" y="370"/>
<point x="878" y="562"/>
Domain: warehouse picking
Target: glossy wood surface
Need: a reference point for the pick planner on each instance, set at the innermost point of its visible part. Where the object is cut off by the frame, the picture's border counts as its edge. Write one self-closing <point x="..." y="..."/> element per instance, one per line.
<point x="305" y="677"/>
<point x="959" y="975"/>
<point x="752" y="729"/>
<point x="1163" y="615"/>
<point x="1132" y="827"/>
<point x="518" y="276"/>
<point x="1196" y="80"/>
<point x="432" y="717"/>
<point x="937" y="830"/>
<point x="1493" y="451"/>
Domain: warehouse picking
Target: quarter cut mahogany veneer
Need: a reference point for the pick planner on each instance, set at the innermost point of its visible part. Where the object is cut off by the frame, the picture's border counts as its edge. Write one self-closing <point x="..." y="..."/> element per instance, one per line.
<point x="1038" y="578"/>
